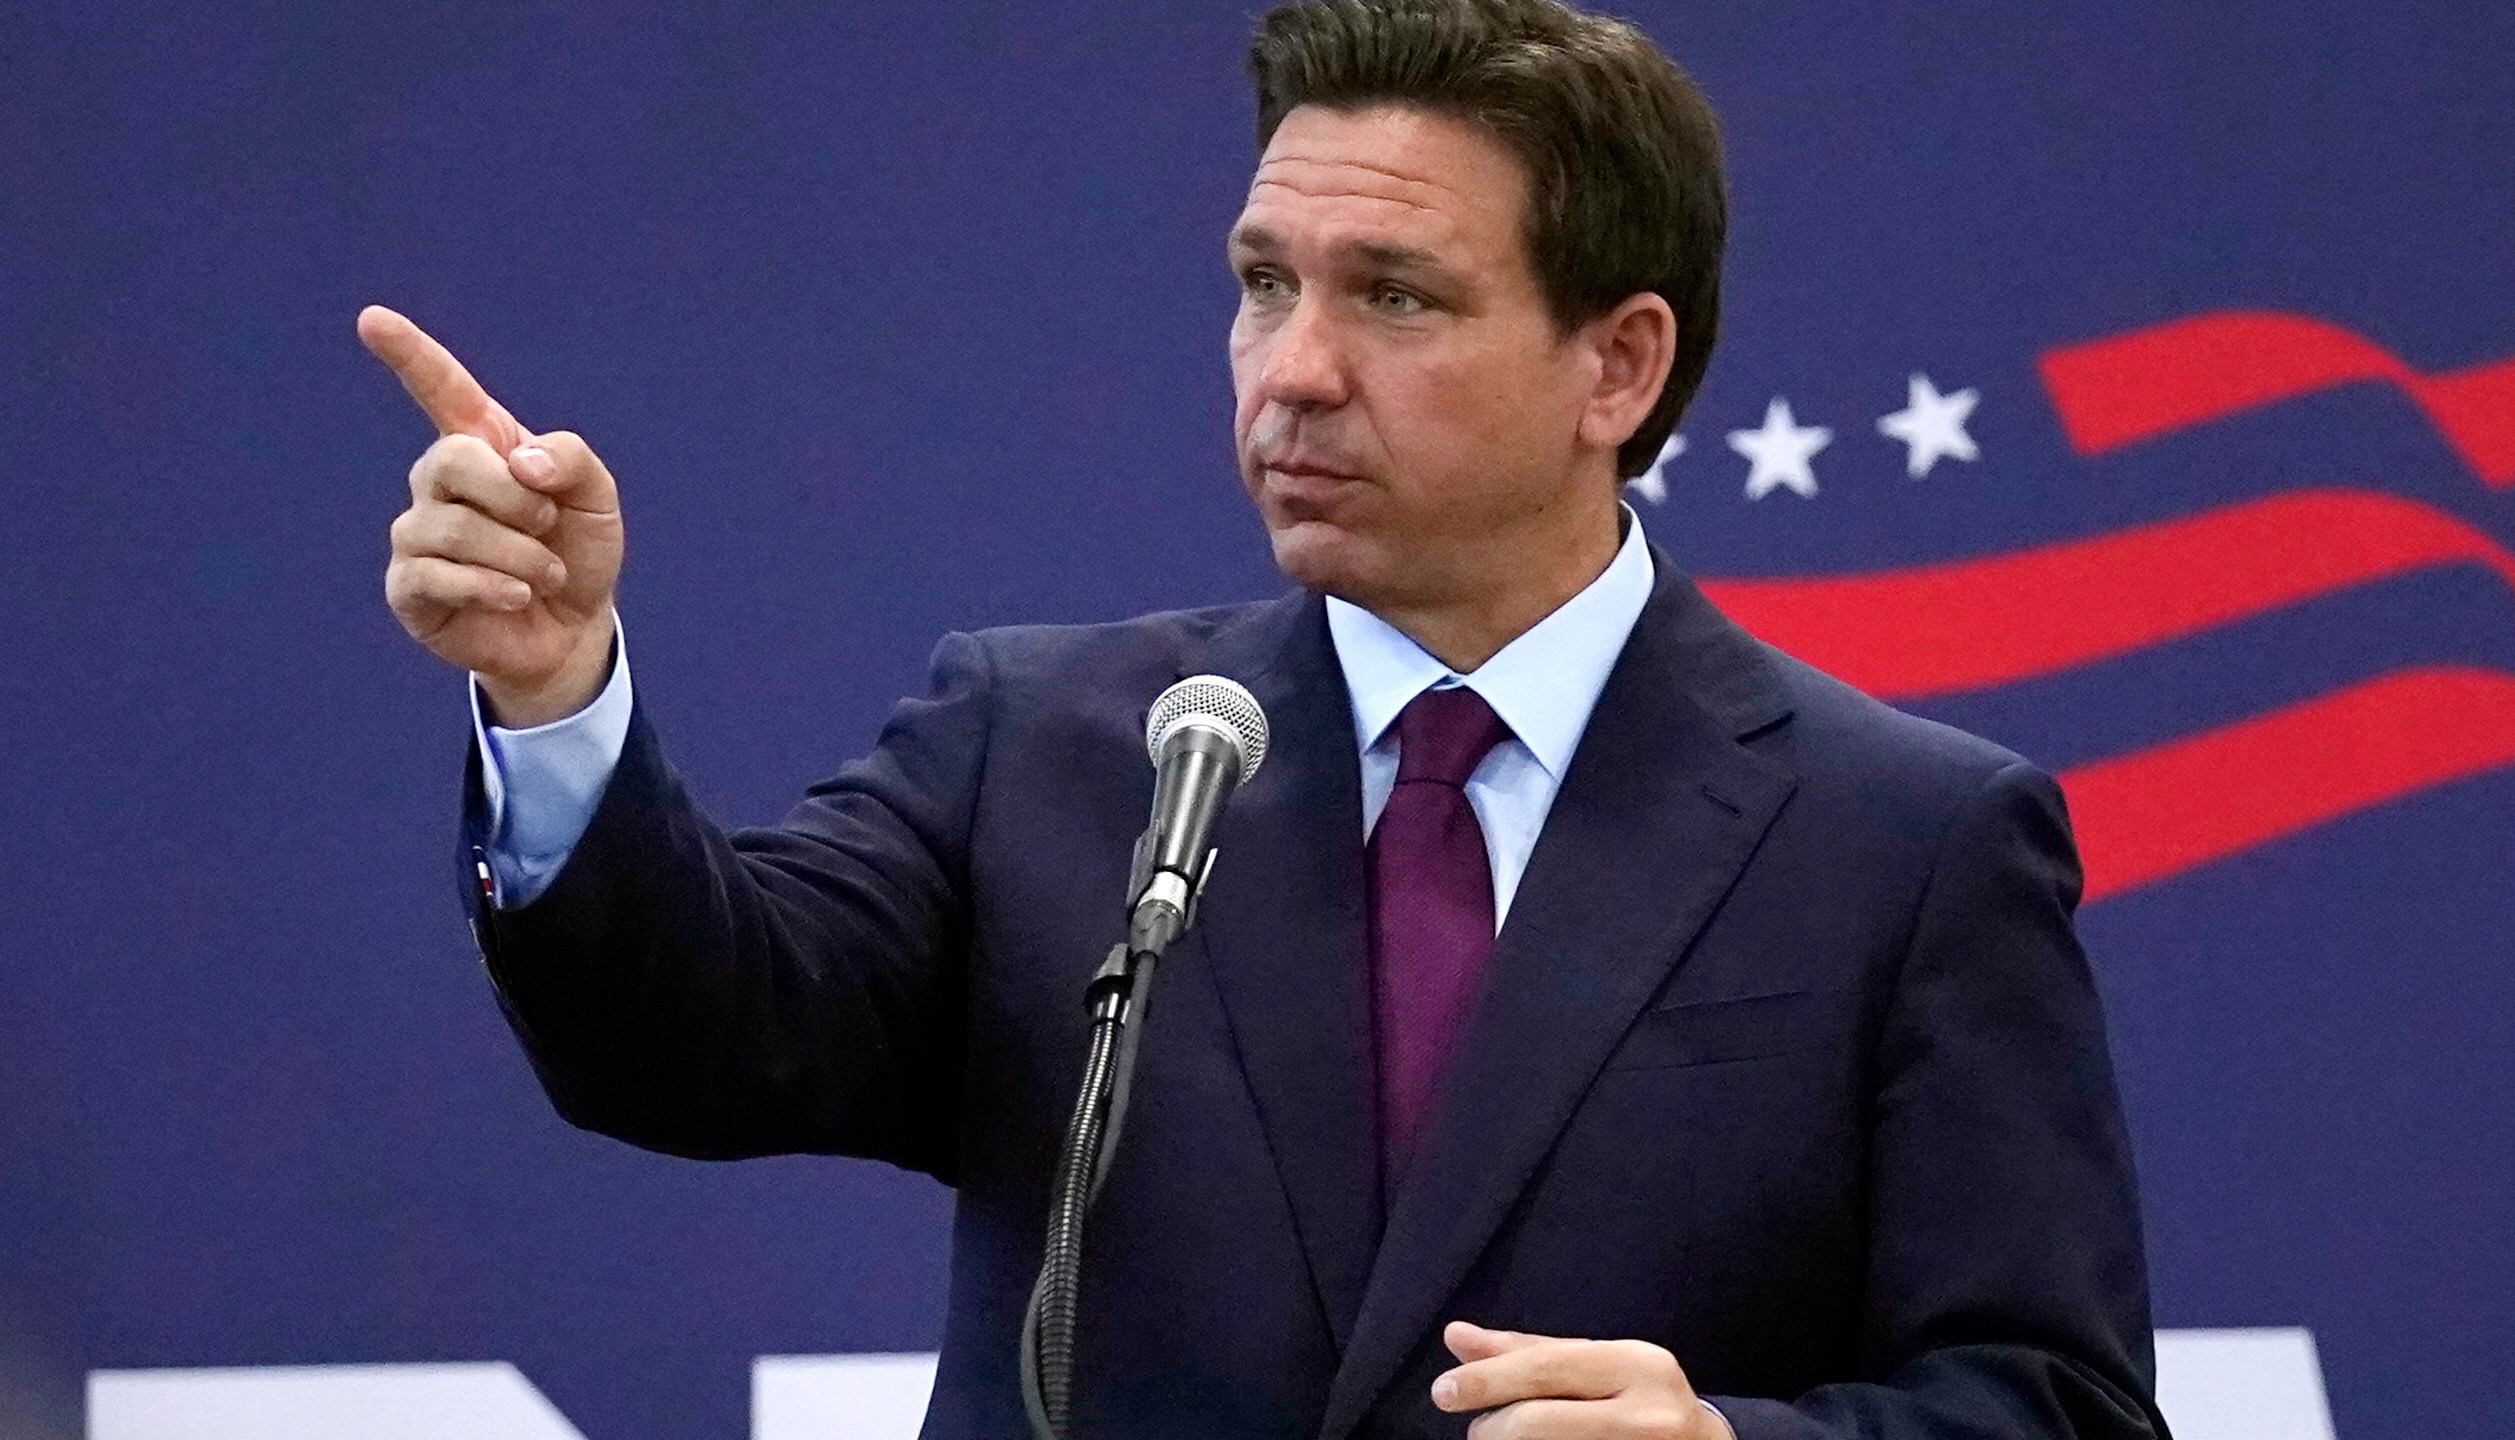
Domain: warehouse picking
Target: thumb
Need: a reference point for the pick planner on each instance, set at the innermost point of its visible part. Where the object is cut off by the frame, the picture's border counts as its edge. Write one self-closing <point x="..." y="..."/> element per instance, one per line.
<point x="562" y="466"/>
<point x="1470" y="1342"/>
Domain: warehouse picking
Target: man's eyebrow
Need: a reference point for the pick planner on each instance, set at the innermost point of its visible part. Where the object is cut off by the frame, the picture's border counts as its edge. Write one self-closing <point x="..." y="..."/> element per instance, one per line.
<point x="1379" y="254"/>
<point x="1394" y="257"/>
<point x="1253" y="239"/>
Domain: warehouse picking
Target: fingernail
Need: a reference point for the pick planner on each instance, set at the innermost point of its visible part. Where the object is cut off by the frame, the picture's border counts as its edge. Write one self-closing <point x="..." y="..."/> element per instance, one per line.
<point x="1445" y="1391"/>
<point x="554" y="574"/>
<point x="531" y="462"/>
<point x="515" y="596"/>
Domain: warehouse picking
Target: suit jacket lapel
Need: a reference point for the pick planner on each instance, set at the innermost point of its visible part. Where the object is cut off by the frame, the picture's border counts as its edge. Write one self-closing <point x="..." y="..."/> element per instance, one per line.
<point x="1282" y="925"/>
<point x="1657" y="815"/>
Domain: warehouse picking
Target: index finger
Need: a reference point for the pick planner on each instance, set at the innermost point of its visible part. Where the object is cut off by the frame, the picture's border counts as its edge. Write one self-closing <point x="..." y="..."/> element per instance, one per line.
<point x="446" y="391"/>
<point x="1545" y="1370"/>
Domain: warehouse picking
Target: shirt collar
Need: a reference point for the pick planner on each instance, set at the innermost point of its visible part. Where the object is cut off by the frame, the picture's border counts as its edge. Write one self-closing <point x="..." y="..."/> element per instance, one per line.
<point x="1543" y="684"/>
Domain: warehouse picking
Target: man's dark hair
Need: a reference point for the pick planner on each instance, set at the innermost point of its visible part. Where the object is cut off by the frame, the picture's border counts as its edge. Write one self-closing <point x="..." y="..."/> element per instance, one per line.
<point x="1622" y="151"/>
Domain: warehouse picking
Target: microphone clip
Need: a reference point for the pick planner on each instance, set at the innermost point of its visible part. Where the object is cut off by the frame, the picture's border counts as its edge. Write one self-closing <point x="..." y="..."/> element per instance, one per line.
<point x="1161" y="903"/>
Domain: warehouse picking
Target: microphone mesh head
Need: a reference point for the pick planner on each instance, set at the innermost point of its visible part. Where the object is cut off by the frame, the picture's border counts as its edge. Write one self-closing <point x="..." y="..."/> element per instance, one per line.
<point x="1221" y="704"/>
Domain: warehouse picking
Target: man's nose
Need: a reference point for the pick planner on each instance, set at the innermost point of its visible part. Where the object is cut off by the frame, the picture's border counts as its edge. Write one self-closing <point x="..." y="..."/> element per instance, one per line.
<point x="1305" y="360"/>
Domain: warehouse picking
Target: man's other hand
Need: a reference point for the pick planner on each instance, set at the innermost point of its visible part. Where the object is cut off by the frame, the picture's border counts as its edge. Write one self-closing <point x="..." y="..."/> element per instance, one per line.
<point x="506" y="560"/>
<point x="1538" y="1387"/>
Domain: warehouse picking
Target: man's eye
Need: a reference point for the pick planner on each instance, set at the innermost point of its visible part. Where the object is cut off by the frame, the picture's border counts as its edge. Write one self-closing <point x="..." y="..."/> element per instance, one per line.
<point x="1262" y="284"/>
<point x="1397" y="301"/>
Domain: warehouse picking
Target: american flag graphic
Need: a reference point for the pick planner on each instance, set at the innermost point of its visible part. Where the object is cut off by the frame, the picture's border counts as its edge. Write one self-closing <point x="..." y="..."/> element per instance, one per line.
<point x="1927" y="633"/>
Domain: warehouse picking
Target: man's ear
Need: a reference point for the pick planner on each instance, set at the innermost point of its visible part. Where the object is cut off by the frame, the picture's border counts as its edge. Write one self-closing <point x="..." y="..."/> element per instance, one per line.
<point x="1636" y="344"/>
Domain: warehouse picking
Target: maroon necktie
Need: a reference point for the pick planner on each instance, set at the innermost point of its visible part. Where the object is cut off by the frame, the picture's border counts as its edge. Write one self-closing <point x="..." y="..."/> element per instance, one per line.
<point x="1431" y="908"/>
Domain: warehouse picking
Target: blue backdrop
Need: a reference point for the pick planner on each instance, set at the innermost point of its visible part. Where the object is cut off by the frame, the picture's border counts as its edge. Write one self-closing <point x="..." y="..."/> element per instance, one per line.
<point x="895" y="319"/>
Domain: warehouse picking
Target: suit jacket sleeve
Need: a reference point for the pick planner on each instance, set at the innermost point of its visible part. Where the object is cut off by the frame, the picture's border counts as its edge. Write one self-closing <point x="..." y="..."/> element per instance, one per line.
<point x="768" y="990"/>
<point x="2006" y="1294"/>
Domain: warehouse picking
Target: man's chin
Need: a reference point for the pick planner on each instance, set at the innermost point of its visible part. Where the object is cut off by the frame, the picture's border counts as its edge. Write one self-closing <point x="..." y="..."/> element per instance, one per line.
<point x="1322" y="557"/>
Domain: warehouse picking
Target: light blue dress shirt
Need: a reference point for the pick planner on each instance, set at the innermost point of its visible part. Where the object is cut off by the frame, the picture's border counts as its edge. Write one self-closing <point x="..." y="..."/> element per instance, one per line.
<point x="1543" y="685"/>
<point x="543" y="783"/>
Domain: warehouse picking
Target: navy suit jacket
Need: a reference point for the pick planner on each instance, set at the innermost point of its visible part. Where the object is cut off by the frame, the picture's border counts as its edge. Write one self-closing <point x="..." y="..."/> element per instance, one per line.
<point x="1789" y="1059"/>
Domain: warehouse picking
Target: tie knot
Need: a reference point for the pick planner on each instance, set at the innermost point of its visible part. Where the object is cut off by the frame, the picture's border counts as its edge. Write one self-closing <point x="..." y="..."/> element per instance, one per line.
<point x="1442" y="735"/>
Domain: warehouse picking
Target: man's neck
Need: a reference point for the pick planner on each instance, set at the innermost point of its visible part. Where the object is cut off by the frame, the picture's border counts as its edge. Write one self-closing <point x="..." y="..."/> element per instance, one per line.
<point x="1465" y="631"/>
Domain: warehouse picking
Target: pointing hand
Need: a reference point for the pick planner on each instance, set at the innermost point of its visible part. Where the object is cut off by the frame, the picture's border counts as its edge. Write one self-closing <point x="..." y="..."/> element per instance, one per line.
<point x="507" y="558"/>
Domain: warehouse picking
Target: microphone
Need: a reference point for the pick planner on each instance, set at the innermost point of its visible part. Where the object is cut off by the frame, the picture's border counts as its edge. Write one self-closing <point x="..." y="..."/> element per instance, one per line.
<point x="1206" y="736"/>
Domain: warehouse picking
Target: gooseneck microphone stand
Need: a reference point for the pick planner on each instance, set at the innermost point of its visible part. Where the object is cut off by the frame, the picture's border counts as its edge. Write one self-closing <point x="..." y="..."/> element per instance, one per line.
<point x="1116" y="998"/>
<point x="1205" y="735"/>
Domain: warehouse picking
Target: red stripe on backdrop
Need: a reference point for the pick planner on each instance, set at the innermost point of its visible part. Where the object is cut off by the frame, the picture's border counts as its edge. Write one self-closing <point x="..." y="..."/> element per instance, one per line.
<point x="2150" y="382"/>
<point x="2158" y="812"/>
<point x="1968" y="624"/>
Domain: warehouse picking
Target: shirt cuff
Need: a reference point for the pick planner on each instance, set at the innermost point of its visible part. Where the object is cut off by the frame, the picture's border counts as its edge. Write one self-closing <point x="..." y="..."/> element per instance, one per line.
<point x="542" y="784"/>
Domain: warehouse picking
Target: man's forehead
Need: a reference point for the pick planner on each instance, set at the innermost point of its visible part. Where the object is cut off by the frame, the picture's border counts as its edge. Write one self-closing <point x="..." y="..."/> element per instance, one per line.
<point x="1387" y="167"/>
<point x="1280" y="218"/>
<point x="1356" y="176"/>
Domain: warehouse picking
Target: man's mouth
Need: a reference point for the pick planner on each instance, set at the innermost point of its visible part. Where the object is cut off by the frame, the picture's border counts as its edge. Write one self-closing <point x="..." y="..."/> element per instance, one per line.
<point x="1305" y="490"/>
<point x="1304" y="469"/>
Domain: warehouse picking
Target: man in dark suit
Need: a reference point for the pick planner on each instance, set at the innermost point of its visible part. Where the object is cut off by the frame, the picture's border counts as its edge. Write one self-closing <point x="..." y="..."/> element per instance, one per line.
<point x="1707" y="1044"/>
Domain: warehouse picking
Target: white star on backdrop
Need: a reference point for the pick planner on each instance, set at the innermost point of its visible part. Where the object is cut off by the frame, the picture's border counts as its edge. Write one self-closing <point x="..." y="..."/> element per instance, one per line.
<point x="1781" y="451"/>
<point x="1932" y="426"/>
<point x="1652" y="484"/>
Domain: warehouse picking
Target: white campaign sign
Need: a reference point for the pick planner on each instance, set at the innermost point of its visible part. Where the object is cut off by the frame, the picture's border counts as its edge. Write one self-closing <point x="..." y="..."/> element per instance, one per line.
<point x="2241" y="1385"/>
<point x="323" y="1402"/>
<point x="818" y="1397"/>
<point x="2212" y="1384"/>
